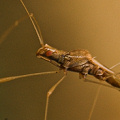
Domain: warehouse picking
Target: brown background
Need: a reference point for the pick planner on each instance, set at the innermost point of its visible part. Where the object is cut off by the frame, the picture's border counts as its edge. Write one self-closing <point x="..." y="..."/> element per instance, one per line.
<point x="66" y="24"/>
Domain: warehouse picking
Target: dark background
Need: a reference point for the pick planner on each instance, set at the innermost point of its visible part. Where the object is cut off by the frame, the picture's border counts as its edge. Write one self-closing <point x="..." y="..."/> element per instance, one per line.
<point x="88" y="24"/>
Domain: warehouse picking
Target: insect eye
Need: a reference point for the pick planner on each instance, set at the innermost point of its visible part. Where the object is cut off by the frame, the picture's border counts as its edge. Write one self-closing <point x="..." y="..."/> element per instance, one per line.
<point x="48" y="53"/>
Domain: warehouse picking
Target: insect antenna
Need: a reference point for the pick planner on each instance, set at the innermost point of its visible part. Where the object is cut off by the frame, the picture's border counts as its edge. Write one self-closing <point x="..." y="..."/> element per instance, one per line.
<point x="7" y="32"/>
<point x="35" y="24"/>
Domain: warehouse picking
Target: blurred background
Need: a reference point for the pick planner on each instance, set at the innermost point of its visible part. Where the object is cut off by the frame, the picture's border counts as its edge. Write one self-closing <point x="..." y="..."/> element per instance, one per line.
<point x="93" y="25"/>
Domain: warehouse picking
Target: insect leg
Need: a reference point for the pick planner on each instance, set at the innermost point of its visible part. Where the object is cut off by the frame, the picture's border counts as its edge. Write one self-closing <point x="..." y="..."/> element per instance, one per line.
<point x="94" y="102"/>
<point x="6" y="79"/>
<point x="50" y="92"/>
<point x="114" y="65"/>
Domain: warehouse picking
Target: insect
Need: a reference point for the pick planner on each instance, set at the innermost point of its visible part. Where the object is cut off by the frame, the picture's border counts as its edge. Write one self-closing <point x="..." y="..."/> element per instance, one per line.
<point x="92" y="61"/>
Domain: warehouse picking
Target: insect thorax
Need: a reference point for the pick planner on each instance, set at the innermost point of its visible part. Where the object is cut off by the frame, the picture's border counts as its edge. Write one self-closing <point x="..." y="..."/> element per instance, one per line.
<point x="76" y="60"/>
<point x="51" y="54"/>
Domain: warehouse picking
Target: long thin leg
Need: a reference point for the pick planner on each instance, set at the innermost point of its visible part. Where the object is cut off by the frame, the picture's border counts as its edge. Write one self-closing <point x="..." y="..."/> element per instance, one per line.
<point x="50" y="92"/>
<point x="114" y="65"/>
<point x="96" y="97"/>
<point x="94" y="102"/>
<point x="6" y="79"/>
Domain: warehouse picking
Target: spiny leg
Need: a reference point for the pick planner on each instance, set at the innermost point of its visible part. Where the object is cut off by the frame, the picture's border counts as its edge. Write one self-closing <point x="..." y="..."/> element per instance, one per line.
<point x="51" y="90"/>
<point x="6" y="79"/>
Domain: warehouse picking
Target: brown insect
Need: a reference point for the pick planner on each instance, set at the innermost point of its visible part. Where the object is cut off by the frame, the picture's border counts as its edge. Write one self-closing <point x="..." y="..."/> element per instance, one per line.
<point x="78" y="60"/>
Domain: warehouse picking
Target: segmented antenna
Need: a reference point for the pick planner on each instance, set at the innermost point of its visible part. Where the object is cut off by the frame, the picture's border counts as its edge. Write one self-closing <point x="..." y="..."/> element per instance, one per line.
<point x="7" y="32"/>
<point x="34" y="23"/>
